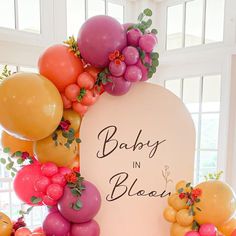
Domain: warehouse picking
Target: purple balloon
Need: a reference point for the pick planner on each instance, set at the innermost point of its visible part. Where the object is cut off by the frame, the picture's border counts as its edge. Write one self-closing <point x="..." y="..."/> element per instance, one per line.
<point x="118" y="86"/>
<point x="117" y="70"/>
<point x="90" y="199"/>
<point x="98" y="37"/>
<point x="133" y="37"/>
<point x="90" y="228"/>
<point x="56" y="225"/>
<point x="143" y="68"/>
<point x="133" y="74"/>
<point x="127" y="25"/>
<point x="131" y="55"/>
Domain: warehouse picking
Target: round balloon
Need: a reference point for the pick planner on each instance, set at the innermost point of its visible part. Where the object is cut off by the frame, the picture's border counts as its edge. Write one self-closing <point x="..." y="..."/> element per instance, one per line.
<point x="60" y="65"/>
<point x="47" y="151"/>
<point x="228" y="227"/>
<point x="98" y="37"/>
<point x="218" y="196"/>
<point x="23" y="231"/>
<point x="24" y="183"/>
<point x="90" y="199"/>
<point x="16" y="144"/>
<point x="90" y="228"/>
<point x="31" y="106"/>
<point x="73" y="117"/>
<point x="177" y="230"/>
<point x="5" y="225"/>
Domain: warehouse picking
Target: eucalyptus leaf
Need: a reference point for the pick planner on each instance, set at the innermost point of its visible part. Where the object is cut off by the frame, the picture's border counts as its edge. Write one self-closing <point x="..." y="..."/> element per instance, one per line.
<point x="18" y="154"/>
<point x="141" y="16"/>
<point x="3" y="161"/>
<point x="6" y="150"/>
<point x="148" y="12"/>
<point x="35" y="200"/>
<point x="154" y="31"/>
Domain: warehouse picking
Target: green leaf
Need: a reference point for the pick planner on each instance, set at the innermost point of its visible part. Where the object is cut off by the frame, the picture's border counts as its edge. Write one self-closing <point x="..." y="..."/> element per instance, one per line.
<point x="18" y="153"/>
<point x="146" y="64"/>
<point x="155" y="63"/>
<point x="35" y="200"/>
<point x="153" y="69"/>
<point x="142" y="54"/>
<point x="74" y="192"/>
<point x="148" y="12"/>
<point x="188" y="185"/>
<point x="3" y="161"/>
<point x="20" y="161"/>
<point x="65" y="134"/>
<point x="9" y="165"/>
<point x="140" y="17"/>
<point x="154" y="55"/>
<point x="78" y="205"/>
<point x="180" y="190"/>
<point x="6" y="150"/>
<point x="150" y="74"/>
<point x="67" y="145"/>
<point x="14" y="169"/>
<point x="13" y="174"/>
<point x="78" y="140"/>
<point x="154" y="31"/>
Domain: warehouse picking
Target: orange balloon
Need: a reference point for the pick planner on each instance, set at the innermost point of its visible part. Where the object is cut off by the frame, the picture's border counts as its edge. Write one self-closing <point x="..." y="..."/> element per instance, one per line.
<point x="183" y="218"/>
<point x="16" y="144"/>
<point x="23" y="232"/>
<point x="217" y="203"/>
<point x="170" y="214"/>
<point x="5" y="225"/>
<point x="47" y="151"/>
<point x="31" y="106"/>
<point x="228" y="227"/>
<point x="93" y="71"/>
<point x="178" y="230"/>
<point x="177" y="203"/>
<point x="234" y="233"/>
<point x="60" y="65"/>
<point x="75" y="163"/>
<point x="73" y="117"/>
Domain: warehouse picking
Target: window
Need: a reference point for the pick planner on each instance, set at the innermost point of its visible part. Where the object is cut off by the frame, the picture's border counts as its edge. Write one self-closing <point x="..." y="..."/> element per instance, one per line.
<point x="195" y="22"/>
<point x="201" y="95"/>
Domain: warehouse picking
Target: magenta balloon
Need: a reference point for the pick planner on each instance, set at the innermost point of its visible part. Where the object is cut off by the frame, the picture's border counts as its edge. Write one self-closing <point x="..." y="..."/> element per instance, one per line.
<point x="117" y="70"/>
<point x="127" y="25"/>
<point x="52" y="209"/>
<point x="56" y="225"/>
<point x="119" y="86"/>
<point x="90" y="228"/>
<point x="90" y="199"/>
<point x="148" y="42"/>
<point x="98" y="37"/>
<point x="131" y="55"/>
<point x="133" y="37"/>
<point x="133" y="74"/>
<point x="143" y="68"/>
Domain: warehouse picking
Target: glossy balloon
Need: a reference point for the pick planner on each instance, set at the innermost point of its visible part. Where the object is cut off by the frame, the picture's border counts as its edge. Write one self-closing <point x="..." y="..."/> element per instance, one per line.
<point x="31" y="106"/>
<point x="91" y="201"/>
<point x="192" y="233"/>
<point x="98" y="37"/>
<point x="131" y="55"/>
<point x="207" y="230"/>
<point x="90" y="228"/>
<point x="133" y="73"/>
<point x="170" y="214"/>
<point x="23" y="232"/>
<point x="5" y="225"/>
<point x="228" y="227"/>
<point x="117" y="70"/>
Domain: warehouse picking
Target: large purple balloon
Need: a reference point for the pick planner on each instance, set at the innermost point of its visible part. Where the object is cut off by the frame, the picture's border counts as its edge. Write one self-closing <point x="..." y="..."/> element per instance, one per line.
<point x="90" y="228"/>
<point x="98" y="37"/>
<point x="56" y="225"/>
<point x="90" y="199"/>
<point x="118" y="86"/>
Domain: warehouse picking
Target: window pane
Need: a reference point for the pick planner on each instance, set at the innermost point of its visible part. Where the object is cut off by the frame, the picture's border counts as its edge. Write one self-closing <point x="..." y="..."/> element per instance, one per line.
<point x="174" y="86"/>
<point x="208" y="159"/>
<point x="75" y="16"/>
<point x="211" y="93"/>
<point x="209" y="131"/>
<point x="193" y="31"/>
<point x="29" y="15"/>
<point x="191" y="88"/>
<point x="4" y="203"/>
<point x="7" y="16"/>
<point x="116" y="11"/>
<point x="195" y="118"/>
<point x="214" y="21"/>
<point x="96" y="7"/>
<point x="28" y="69"/>
<point x="174" y="26"/>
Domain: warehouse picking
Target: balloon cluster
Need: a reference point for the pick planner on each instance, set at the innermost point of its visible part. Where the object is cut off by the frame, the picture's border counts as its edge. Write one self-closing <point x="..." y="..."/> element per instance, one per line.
<point x="206" y="210"/>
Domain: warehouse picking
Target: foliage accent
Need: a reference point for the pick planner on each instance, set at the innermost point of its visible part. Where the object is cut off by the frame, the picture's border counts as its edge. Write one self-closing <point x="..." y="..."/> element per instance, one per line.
<point x="5" y="73"/>
<point x="73" y="45"/>
<point x="214" y="176"/>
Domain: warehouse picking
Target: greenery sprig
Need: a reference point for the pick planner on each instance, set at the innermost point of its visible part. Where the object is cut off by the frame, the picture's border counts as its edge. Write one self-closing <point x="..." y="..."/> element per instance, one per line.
<point x="214" y="176"/>
<point x="73" y="45"/>
<point x="5" y="73"/>
<point x="103" y="78"/>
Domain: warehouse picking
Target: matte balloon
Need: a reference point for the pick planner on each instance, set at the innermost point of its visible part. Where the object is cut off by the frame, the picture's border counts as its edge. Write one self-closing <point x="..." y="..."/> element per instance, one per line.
<point x="131" y="55"/>
<point x="23" y="232"/>
<point x="218" y="196"/>
<point x="90" y="199"/>
<point x="118" y="86"/>
<point x="98" y="37"/>
<point x="5" y="225"/>
<point x="147" y="42"/>
<point x="183" y="217"/>
<point x="60" y="65"/>
<point x="90" y="228"/>
<point x="56" y="225"/>
<point x="177" y="230"/>
<point x="228" y="227"/>
<point x="133" y="37"/>
<point x="117" y="70"/>
<point x="170" y="214"/>
<point x="46" y="151"/>
<point x="207" y="230"/>
<point x="133" y="74"/>
<point x="24" y="183"/>
<point x="31" y="106"/>
<point x="176" y="202"/>
<point x="143" y="68"/>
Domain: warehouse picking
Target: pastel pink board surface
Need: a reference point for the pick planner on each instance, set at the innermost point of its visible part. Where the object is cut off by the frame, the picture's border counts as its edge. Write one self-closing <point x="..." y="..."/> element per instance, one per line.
<point x="134" y="149"/>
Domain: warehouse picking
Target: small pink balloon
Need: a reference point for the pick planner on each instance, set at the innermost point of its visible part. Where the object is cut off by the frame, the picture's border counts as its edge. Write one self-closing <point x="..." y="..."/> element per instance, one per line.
<point x="126" y="26"/>
<point x="117" y="70"/>
<point x="119" y="86"/>
<point x="41" y="184"/>
<point x="133" y="74"/>
<point x="90" y="228"/>
<point x="59" y="179"/>
<point x="64" y="170"/>
<point x="49" y="169"/>
<point x="56" y="225"/>
<point x="207" y="230"/>
<point x="143" y="68"/>
<point x="147" y="42"/>
<point x="90" y="199"/>
<point x="192" y="233"/>
<point x="48" y="201"/>
<point x="55" y="191"/>
<point x="133" y="37"/>
<point x="131" y="55"/>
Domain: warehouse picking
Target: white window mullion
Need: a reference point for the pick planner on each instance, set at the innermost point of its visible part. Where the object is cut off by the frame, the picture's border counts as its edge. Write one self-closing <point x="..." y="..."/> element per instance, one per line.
<point x="86" y="9"/>
<point x="16" y="10"/>
<point x="204" y="22"/>
<point x="184" y="25"/>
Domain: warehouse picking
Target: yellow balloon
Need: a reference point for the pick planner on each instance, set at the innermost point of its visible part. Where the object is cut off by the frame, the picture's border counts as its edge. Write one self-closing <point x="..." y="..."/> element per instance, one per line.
<point x="170" y="214"/>
<point x="176" y="202"/>
<point x="5" y="225"/>
<point x="217" y="203"/>
<point x="183" y="218"/>
<point x="228" y="228"/>
<point x="73" y="117"/>
<point x="178" y="230"/>
<point x="47" y="151"/>
<point x="31" y="106"/>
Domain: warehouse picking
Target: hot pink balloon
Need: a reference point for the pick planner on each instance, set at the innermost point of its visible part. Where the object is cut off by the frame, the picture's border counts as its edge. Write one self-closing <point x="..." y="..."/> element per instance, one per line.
<point x="119" y="86"/>
<point x="143" y="68"/>
<point x="148" y="42"/>
<point x="90" y="199"/>
<point x="98" y="37"/>
<point x="192" y="233"/>
<point x="131" y="55"/>
<point x="56" y="225"/>
<point x="133" y="37"/>
<point x="133" y="74"/>
<point x="90" y="228"/>
<point x="207" y="230"/>
<point x="117" y="70"/>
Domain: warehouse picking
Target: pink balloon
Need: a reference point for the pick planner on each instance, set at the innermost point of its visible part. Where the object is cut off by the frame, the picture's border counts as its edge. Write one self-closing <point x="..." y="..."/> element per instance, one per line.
<point x="55" y="191"/>
<point x="119" y="86"/>
<point x="64" y="170"/>
<point x="133" y="37"/>
<point x="41" y="184"/>
<point x="24" y="183"/>
<point x="98" y="37"/>
<point x="117" y="70"/>
<point x="90" y="199"/>
<point x="148" y="42"/>
<point x="192" y="233"/>
<point x="127" y="25"/>
<point x="49" y="169"/>
<point x="56" y="225"/>
<point x="90" y="228"/>
<point x="133" y="74"/>
<point x="49" y="201"/>
<point x="207" y="230"/>
<point x="131" y="55"/>
<point x="52" y="209"/>
<point x="59" y="179"/>
<point x="143" y="68"/>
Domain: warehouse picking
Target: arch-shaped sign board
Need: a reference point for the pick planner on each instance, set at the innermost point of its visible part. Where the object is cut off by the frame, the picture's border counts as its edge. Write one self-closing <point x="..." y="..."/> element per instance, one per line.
<point x="134" y="149"/>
